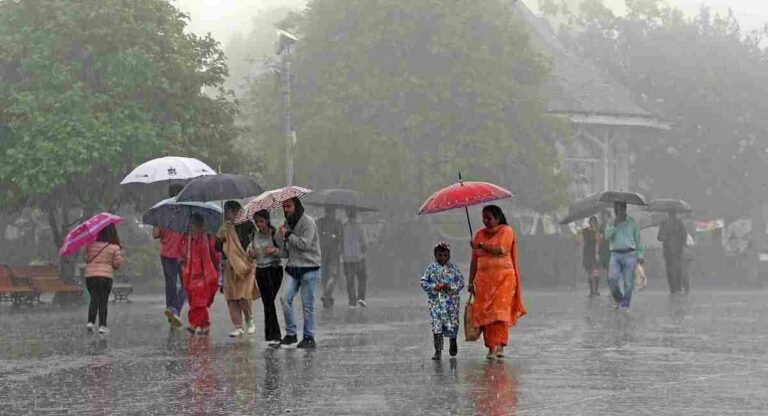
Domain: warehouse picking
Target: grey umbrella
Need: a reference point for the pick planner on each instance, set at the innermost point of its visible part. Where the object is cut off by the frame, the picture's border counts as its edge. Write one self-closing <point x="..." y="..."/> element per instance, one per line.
<point x="219" y="188"/>
<point x="585" y="207"/>
<point x="339" y="198"/>
<point x="669" y="205"/>
<point x="632" y="198"/>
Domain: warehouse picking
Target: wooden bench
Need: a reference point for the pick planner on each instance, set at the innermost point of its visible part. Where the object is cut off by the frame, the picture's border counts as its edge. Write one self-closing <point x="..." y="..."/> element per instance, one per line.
<point x="45" y="279"/>
<point x="16" y="289"/>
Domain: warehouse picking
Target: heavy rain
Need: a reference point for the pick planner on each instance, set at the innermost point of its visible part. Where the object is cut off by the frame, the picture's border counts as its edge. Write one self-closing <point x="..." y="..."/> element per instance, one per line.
<point x="343" y="207"/>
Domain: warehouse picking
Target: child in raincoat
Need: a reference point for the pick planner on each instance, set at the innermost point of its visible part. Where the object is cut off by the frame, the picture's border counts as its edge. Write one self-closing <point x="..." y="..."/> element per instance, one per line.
<point x="199" y="274"/>
<point x="443" y="281"/>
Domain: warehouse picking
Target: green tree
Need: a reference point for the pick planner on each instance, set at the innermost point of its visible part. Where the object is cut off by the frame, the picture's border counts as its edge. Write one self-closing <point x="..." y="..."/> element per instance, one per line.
<point x="88" y="90"/>
<point x="706" y="76"/>
<point x="395" y="97"/>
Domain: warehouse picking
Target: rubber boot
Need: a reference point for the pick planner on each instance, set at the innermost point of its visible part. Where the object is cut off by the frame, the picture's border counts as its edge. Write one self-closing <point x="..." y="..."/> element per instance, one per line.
<point x="438" y="346"/>
<point x="454" y="349"/>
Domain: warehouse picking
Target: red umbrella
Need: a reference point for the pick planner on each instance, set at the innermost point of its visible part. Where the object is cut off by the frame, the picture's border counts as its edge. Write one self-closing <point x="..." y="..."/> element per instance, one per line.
<point x="87" y="232"/>
<point x="463" y="195"/>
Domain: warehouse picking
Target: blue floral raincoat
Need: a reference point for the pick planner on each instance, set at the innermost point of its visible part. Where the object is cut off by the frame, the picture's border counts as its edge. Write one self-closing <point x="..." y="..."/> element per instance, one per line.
<point x="444" y="305"/>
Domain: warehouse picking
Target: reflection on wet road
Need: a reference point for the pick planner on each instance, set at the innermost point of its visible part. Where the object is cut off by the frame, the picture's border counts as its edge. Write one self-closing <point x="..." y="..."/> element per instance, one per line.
<point x="706" y="354"/>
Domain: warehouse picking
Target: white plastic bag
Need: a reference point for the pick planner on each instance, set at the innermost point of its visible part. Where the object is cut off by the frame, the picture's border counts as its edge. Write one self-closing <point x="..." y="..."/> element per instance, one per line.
<point x="641" y="280"/>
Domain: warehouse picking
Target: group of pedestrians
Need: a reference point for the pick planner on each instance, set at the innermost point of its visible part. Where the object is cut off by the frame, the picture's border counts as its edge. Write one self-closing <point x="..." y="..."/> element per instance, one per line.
<point x="344" y="249"/>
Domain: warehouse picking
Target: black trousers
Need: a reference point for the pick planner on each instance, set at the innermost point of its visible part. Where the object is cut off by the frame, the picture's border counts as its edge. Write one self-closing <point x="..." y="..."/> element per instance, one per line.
<point x="269" y="279"/>
<point x="674" y="264"/>
<point x="352" y="271"/>
<point x="98" y="289"/>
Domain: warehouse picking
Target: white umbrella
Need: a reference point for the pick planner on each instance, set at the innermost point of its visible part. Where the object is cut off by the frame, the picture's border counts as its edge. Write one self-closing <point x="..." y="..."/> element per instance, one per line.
<point x="167" y="169"/>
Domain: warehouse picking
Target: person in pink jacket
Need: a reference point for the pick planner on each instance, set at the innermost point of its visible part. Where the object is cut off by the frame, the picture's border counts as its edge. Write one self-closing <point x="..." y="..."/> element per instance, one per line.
<point x="102" y="257"/>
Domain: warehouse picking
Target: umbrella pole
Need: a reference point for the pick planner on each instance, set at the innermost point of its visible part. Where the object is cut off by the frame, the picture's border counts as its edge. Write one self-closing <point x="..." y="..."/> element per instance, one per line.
<point x="469" y="223"/>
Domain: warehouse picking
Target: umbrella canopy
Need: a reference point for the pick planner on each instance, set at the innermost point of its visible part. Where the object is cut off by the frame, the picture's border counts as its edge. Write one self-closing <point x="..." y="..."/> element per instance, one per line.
<point x="173" y="215"/>
<point x="219" y="187"/>
<point x="270" y="201"/>
<point x="463" y="195"/>
<point x="167" y="169"/>
<point x="585" y="207"/>
<point x="87" y="232"/>
<point x="647" y="220"/>
<point x="339" y="198"/>
<point x="631" y="198"/>
<point x="669" y="205"/>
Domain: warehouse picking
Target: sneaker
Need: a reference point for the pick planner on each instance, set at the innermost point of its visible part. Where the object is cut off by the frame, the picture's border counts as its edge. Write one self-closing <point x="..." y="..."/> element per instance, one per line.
<point x="103" y="330"/>
<point x="500" y="352"/>
<point x="173" y="319"/>
<point x="362" y="303"/>
<point x="89" y="326"/>
<point x="192" y="330"/>
<point x="307" y="343"/>
<point x="237" y="333"/>
<point x="289" y="339"/>
<point x="352" y="306"/>
<point x="251" y="329"/>
<point x="491" y="354"/>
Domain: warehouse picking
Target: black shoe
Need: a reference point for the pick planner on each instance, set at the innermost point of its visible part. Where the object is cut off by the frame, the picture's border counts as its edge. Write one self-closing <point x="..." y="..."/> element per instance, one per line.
<point x="307" y="343"/>
<point x="437" y="356"/>
<point x="454" y="348"/>
<point x="289" y="339"/>
<point x="438" y="340"/>
<point x="327" y="303"/>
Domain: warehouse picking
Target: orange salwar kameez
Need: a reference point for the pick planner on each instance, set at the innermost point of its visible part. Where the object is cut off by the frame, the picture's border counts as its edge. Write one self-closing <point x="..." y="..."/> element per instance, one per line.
<point x="497" y="303"/>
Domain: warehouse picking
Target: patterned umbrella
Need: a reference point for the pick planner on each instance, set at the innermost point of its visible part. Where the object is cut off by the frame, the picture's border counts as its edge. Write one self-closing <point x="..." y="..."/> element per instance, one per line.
<point x="463" y="195"/>
<point x="270" y="201"/>
<point x="87" y="232"/>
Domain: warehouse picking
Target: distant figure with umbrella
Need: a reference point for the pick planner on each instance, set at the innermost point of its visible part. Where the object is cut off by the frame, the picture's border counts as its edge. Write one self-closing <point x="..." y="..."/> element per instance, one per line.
<point x="673" y="236"/>
<point x="494" y="280"/>
<point x="102" y="257"/>
<point x="302" y="244"/>
<point x="330" y="229"/>
<point x="239" y="281"/>
<point x="199" y="273"/>
<point x="623" y="238"/>
<point x="170" y="254"/>
<point x="355" y="248"/>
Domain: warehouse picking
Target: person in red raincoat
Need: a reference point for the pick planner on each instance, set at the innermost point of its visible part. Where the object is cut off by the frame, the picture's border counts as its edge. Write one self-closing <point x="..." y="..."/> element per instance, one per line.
<point x="199" y="274"/>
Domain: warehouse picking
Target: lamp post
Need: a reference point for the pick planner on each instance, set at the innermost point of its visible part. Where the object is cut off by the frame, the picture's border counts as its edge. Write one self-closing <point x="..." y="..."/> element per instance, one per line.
<point x="284" y="42"/>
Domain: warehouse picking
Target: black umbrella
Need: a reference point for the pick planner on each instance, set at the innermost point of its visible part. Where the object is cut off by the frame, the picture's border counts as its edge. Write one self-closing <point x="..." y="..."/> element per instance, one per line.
<point x="585" y="207"/>
<point x="631" y="198"/>
<point x="219" y="188"/>
<point x="339" y="198"/>
<point x="669" y="205"/>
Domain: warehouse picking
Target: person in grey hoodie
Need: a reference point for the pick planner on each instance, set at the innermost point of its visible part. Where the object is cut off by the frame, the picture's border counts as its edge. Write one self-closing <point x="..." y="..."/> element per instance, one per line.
<point x="302" y="248"/>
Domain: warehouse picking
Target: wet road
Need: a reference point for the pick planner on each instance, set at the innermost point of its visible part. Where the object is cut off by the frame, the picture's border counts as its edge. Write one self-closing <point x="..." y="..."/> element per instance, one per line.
<point x="702" y="355"/>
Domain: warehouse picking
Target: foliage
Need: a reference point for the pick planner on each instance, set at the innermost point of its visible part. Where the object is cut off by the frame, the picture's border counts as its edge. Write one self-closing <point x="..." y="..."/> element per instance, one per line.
<point x="395" y="97"/>
<point x="708" y="78"/>
<point x="88" y="90"/>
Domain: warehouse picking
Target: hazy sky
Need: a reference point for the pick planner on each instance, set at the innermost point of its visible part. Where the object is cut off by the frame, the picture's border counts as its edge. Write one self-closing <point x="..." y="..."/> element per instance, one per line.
<point x="224" y="18"/>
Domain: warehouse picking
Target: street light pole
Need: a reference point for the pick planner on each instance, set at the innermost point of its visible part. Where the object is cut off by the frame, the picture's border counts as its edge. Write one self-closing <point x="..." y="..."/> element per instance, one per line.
<point x="284" y="43"/>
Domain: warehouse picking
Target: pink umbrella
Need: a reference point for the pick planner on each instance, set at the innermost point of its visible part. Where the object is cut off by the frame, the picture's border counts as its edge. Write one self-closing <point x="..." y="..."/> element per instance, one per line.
<point x="270" y="201"/>
<point x="87" y="232"/>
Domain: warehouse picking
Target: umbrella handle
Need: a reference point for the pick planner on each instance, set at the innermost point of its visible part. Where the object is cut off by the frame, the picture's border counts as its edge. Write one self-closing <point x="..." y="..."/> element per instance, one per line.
<point x="469" y="223"/>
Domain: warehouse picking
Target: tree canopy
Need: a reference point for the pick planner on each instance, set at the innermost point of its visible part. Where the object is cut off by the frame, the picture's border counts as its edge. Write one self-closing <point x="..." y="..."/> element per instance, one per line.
<point x="706" y="76"/>
<point x="88" y="90"/>
<point x="395" y="97"/>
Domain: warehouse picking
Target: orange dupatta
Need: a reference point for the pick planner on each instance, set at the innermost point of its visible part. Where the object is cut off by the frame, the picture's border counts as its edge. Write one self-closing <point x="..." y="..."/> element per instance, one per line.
<point x="497" y="282"/>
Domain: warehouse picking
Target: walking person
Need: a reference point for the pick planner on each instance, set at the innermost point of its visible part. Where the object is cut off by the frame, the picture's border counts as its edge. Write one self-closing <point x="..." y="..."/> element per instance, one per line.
<point x="330" y="230"/>
<point x="239" y="281"/>
<point x="199" y="274"/>
<point x="623" y="238"/>
<point x="443" y="282"/>
<point x="603" y="248"/>
<point x="590" y="259"/>
<point x="673" y="236"/>
<point x="102" y="257"/>
<point x="355" y="248"/>
<point x="265" y="249"/>
<point x="302" y="247"/>
<point x="494" y="280"/>
<point x="170" y="255"/>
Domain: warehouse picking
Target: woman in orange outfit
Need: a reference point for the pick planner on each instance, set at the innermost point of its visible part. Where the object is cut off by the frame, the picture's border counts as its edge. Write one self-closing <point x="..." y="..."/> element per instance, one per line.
<point x="495" y="281"/>
<point x="199" y="274"/>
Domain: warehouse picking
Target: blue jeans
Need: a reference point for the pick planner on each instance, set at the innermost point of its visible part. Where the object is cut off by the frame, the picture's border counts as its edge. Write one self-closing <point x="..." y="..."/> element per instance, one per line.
<point x="174" y="295"/>
<point x="307" y="285"/>
<point x="621" y="276"/>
